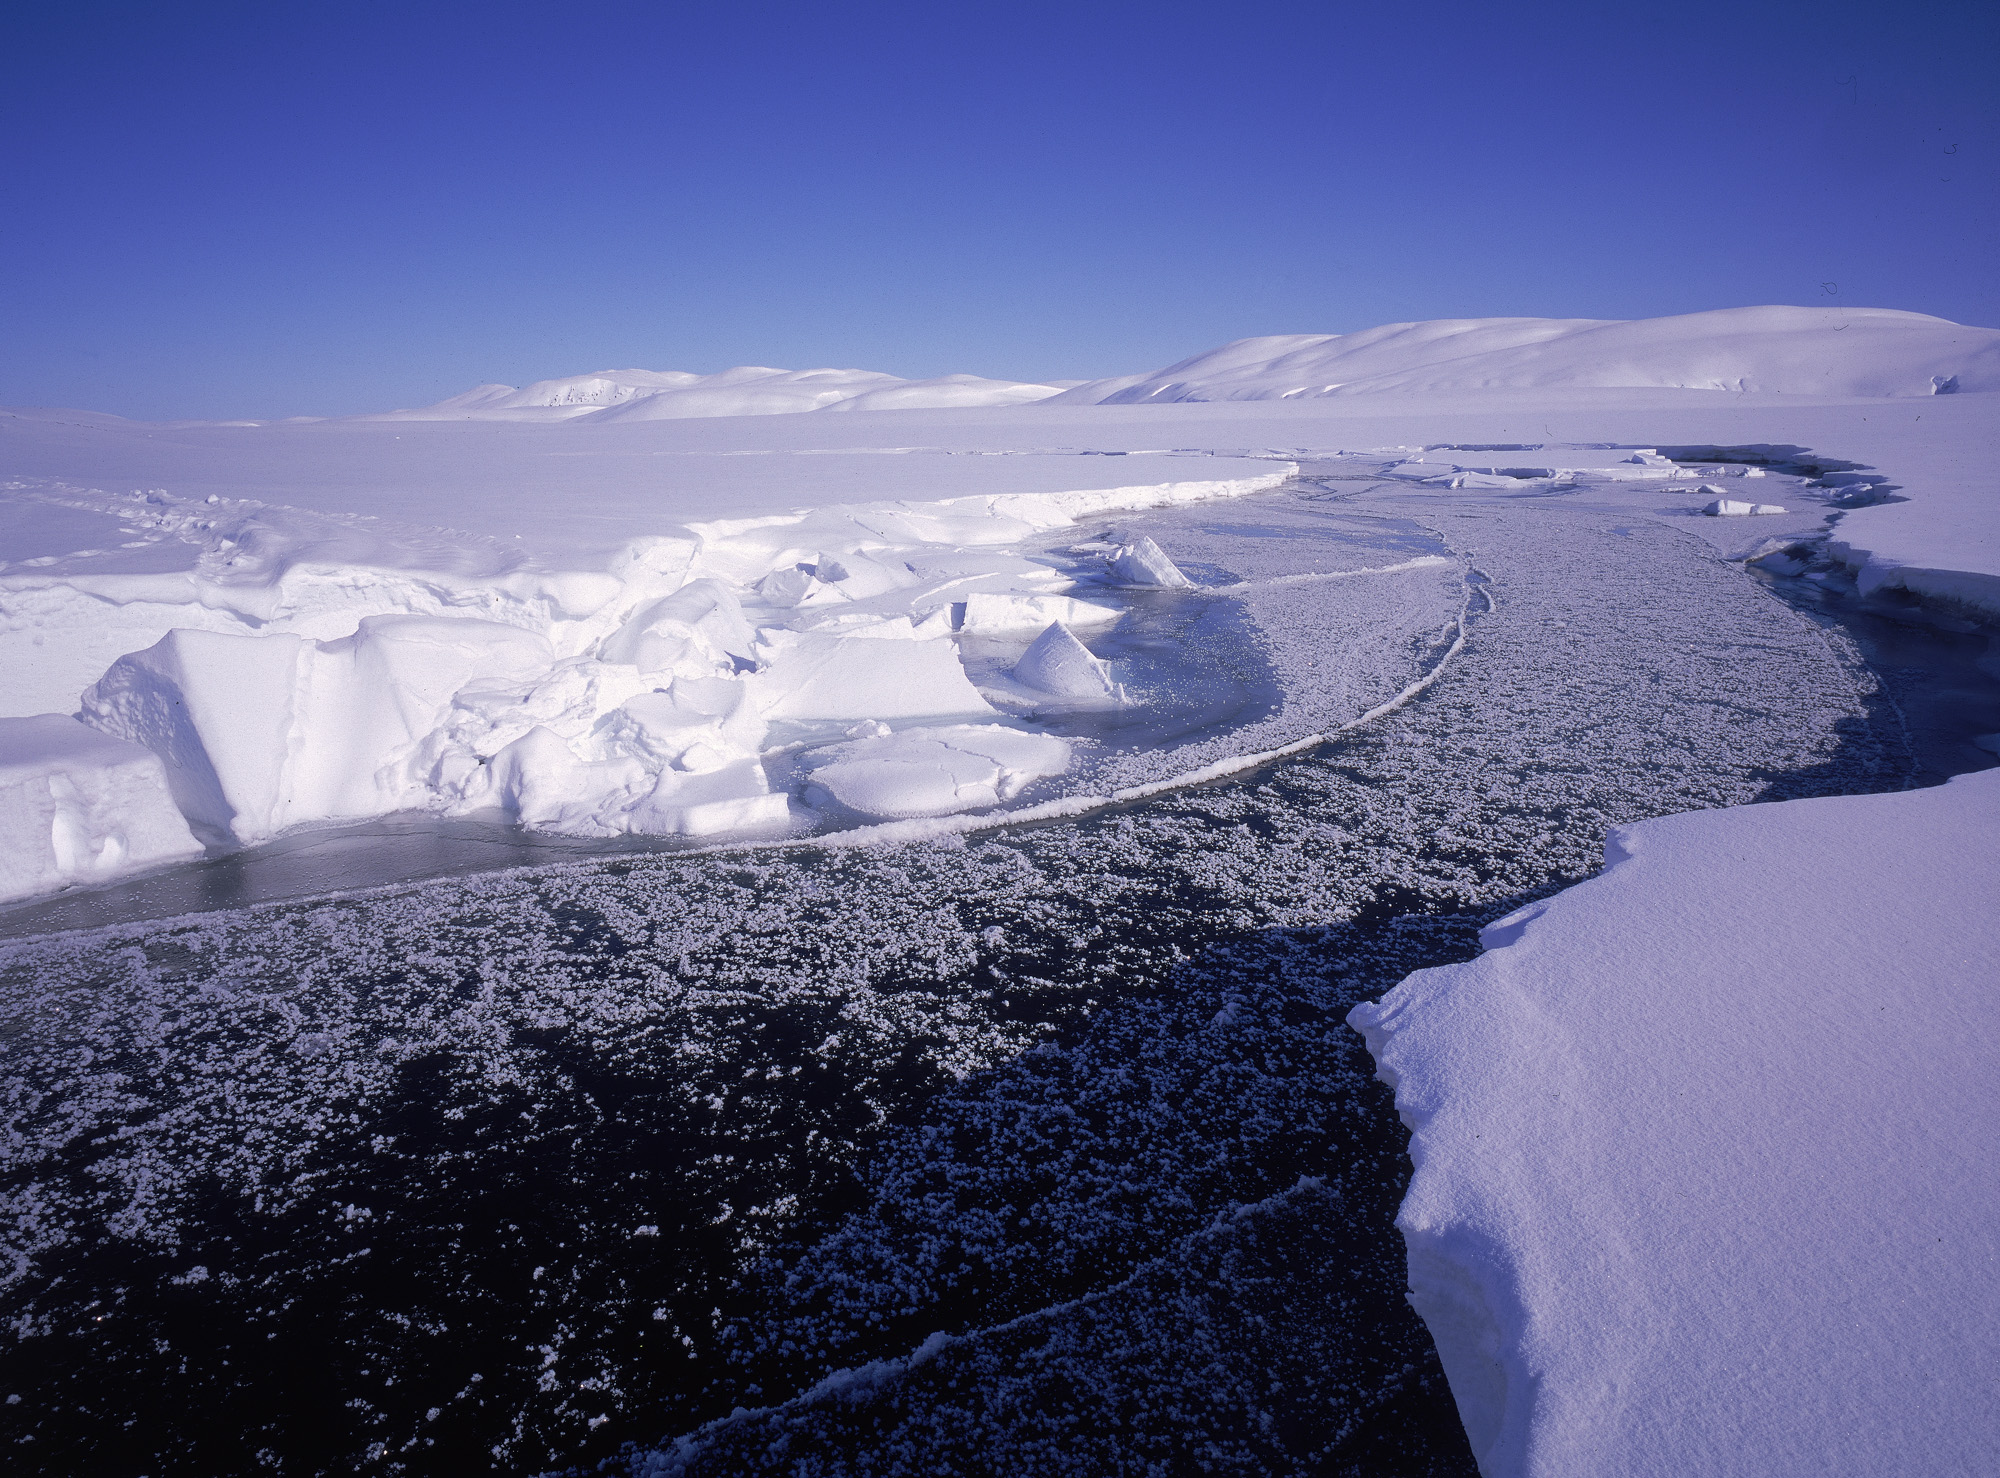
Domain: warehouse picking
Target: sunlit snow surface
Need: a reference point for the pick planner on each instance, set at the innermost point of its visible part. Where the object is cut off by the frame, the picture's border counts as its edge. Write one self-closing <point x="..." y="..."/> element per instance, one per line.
<point x="1845" y="351"/>
<point x="1627" y="1273"/>
<point x="525" y="1167"/>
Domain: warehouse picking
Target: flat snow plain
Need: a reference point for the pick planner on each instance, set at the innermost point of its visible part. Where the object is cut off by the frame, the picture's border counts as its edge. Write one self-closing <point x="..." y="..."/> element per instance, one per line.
<point x="1046" y="1141"/>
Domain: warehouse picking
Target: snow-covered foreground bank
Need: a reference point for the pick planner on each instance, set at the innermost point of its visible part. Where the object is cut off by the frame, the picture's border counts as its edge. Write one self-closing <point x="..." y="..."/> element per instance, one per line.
<point x="1703" y="1174"/>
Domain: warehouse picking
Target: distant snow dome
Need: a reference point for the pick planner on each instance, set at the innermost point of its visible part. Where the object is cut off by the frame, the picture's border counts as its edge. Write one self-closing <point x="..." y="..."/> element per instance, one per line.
<point x="747" y="390"/>
<point x="1772" y="350"/>
<point x="1775" y="350"/>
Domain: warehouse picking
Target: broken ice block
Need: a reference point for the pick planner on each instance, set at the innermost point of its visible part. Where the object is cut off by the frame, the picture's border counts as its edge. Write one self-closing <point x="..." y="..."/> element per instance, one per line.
<point x="77" y="805"/>
<point x="1060" y="665"/>
<point x="931" y="771"/>
<point x="1144" y="563"/>
<point x="1733" y="508"/>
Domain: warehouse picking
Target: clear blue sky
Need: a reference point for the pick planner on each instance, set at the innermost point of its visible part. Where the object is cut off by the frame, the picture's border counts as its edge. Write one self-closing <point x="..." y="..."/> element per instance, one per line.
<point x="276" y="209"/>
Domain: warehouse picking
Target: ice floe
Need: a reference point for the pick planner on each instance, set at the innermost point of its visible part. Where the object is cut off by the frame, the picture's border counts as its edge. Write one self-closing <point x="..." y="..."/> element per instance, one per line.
<point x="931" y="771"/>
<point x="1008" y="612"/>
<point x="1459" y="467"/>
<point x="1737" y="508"/>
<point x="1143" y="563"/>
<point x="1058" y="664"/>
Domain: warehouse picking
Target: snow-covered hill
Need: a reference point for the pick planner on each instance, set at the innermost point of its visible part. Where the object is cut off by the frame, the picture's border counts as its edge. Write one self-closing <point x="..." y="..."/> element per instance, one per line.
<point x="747" y="390"/>
<point x="1783" y="350"/>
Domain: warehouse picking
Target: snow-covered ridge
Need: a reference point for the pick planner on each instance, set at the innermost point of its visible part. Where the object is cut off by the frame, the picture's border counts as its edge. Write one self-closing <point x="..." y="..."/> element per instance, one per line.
<point x="747" y="390"/>
<point x="1785" y="350"/>
<point x="1701" y="1184"/>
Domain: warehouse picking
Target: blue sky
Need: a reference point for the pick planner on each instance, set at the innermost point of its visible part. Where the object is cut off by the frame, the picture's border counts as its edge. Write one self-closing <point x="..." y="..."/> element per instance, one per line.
<point x="264" y="210"/>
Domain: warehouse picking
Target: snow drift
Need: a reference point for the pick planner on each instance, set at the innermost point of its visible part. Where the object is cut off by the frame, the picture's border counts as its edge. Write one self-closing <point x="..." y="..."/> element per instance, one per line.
<point x="1701" y="1182"/>
<point x="1792" y="351"/>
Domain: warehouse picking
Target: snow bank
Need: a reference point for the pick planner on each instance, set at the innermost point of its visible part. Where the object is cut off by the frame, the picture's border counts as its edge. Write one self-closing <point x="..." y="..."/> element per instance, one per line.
<point x="292" y="667"/>
<point x="1943" y="544"/>
<point x="1793" y="351"/>
<point x="1703" y="1181"/>
<point x="747" y="390"/>
<point x="80" y="806"/>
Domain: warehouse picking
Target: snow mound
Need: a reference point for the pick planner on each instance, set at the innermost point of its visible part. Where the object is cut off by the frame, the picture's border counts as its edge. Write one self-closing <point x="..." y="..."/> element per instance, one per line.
<point x="1787" y="350"/>
<point x="1736" y="508"/>
<point x="932" y="771"/>
<point x="1701" y="1183"/>
<point x="747" y="390"/>
<point x="80" y="806"/>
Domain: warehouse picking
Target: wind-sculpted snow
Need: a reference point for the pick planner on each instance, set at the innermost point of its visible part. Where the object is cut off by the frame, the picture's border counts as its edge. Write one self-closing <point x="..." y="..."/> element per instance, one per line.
<point x="1793" y="351"/>
<point x="517" y="1169"/>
